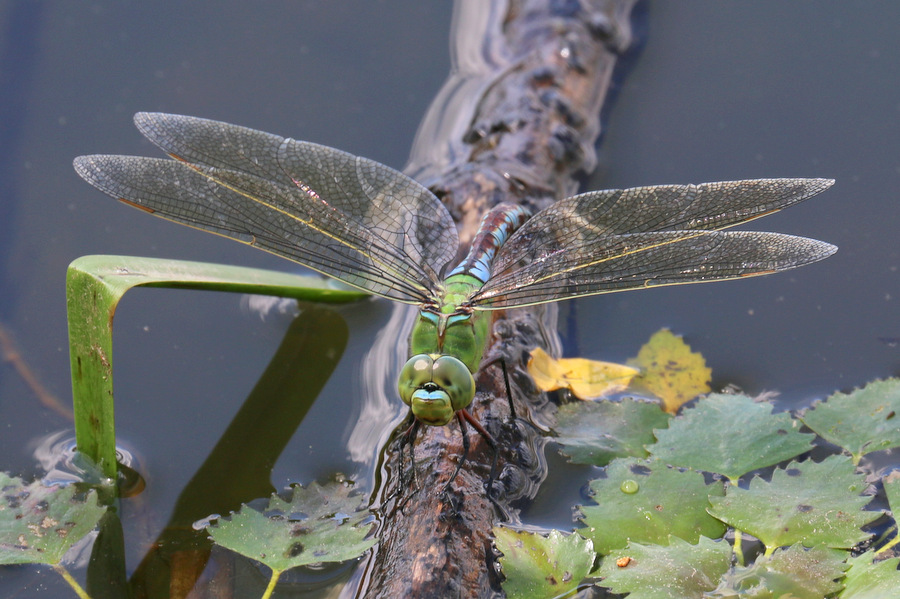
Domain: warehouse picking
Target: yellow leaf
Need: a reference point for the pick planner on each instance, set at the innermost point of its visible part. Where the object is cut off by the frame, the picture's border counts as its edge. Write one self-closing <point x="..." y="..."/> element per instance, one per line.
<point x="586" y="379"/>
<point x="671" y="371"/>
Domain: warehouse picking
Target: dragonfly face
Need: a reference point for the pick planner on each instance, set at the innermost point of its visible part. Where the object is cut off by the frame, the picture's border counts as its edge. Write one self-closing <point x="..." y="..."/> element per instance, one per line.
<point x="376" y="229"/>
<point x="435" y="387"/>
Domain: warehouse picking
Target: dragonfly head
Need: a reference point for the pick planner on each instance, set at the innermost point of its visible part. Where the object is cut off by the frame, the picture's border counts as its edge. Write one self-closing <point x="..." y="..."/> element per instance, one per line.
<point x="435" y="387"/>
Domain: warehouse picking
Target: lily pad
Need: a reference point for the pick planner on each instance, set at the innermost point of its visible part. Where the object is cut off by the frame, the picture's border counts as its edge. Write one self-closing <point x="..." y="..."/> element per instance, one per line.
<point x="646" y="502"/>
<point x="597" y="432"/>
<point x="538" y="566"/>
<point x="868" y="579"/>
<point x="670" y="370"/>
<point x="730" y="435"/>
<point x="319" y="524"/>
<point x="794" y="572"/>
<point x="656" y="572"/>
<point x="586" y="379"/>
<point x="39" y="523"/>
<point x="861" y="422"/>
<point x="808" y="502"/>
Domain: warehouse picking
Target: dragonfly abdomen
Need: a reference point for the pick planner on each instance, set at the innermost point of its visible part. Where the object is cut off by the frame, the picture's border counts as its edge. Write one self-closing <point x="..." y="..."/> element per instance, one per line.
<point x="495" y="228"/>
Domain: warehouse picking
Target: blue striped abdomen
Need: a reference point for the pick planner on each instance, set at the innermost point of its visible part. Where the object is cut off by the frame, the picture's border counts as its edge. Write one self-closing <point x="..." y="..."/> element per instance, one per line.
<point x="495" y="228"/>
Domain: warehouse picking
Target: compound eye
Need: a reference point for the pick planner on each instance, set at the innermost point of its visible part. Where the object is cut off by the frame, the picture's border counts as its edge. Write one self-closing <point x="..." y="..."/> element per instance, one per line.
<point x="415" y="374"/>
<point x="454" y="377"/>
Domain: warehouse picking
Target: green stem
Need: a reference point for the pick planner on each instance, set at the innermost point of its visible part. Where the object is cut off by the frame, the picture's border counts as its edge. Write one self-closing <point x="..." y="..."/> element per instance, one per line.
<point x="890" y="544"/>
<point x="72" y="582"/>
<point x="272" y="582"/>
<point x="738" y="551"/>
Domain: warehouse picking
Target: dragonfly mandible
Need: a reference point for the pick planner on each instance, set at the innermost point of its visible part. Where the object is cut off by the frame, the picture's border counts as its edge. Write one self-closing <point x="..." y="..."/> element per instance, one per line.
<point x="377" y="229"/>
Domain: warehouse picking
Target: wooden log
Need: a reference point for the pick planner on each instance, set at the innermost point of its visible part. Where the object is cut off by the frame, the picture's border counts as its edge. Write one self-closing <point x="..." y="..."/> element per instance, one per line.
<point x="516" y="122"/>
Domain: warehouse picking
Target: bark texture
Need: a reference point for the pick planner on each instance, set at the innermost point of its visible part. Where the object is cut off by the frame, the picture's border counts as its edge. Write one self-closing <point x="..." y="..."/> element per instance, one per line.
<point x="530" y="128"/>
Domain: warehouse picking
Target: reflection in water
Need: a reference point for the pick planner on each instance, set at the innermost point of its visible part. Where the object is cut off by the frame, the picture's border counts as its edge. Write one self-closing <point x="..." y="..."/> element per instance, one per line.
<point x="382" y="410"/>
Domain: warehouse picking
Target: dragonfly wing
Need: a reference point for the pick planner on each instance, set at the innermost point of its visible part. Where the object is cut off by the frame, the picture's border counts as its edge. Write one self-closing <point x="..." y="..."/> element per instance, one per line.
<point x="638" y="260"/>
<point x="579" y="219"/>
<point x="396" y="208"/>
<point x="287" y="220"/>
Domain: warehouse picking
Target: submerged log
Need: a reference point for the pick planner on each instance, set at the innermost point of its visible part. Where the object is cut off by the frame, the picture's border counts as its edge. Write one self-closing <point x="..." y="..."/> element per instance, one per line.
<point x="516" y="121"/>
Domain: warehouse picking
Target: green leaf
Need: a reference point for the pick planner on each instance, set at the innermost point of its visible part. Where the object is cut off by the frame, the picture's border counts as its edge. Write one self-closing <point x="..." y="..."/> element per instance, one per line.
<point x="655" y="572"/>
<point x="868" y="579"/>
<point x="808" y="502"/>
<point x="319" y="524"/>
<point x="538" y="566"/>
<point x="94" y="286"/>
<point x="794" y="572"/>
<point x="597" y="432"/>
<point x="891" y="484"/>
<point x="646" y="502"/>
<point x="730" y="435"/>
<point x="38" y="524"/>
<point x="861" y="422"/>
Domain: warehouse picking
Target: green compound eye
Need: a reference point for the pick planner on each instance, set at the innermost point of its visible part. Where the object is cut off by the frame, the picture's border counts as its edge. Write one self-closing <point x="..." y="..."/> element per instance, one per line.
<point x="453" y="376"/>
<point x="435" y="387"/>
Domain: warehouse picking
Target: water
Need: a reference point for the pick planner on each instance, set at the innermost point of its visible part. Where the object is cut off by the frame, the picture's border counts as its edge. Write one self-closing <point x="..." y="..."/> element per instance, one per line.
<point x="719" y="90"/>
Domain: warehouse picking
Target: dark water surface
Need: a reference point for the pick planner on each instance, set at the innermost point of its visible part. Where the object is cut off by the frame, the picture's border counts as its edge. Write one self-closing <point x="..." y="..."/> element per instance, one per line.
<point x="719" y="90"/>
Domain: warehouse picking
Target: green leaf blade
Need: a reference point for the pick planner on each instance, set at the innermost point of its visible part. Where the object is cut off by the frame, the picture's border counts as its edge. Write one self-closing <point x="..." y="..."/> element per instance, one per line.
<point x="807" y="502"/>
<point x="538" y="566"/>
<point x="39" y="524"/>
<point x="730" y="435"/>
<point x="862" y="421"/>
<point x="319" y="524"/>
<point x="597" y="432"/>
<point x="678" y="570"/>
<point x="646" y="502"/>
<point x="868" y="579"/>
<point x="794" y="572"/>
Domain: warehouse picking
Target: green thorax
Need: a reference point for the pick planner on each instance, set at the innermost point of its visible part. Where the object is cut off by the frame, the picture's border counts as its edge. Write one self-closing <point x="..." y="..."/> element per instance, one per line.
<point x="450" y="328"/>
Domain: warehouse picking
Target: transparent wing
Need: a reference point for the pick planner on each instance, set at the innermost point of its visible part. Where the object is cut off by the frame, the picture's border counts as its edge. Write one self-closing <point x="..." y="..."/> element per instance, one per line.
<point x="291" y="222"/>
<point x="348" y="217"/>
<point x="399" y="209"/>
<point x="624" y="239"/>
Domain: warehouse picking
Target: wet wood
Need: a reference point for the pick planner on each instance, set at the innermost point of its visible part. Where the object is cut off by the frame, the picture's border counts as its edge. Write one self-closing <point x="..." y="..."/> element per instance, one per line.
<point x="533" y="129"/>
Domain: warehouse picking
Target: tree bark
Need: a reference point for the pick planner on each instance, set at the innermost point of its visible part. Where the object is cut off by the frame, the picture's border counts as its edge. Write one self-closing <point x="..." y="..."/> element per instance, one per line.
<point x="517" y="121"/>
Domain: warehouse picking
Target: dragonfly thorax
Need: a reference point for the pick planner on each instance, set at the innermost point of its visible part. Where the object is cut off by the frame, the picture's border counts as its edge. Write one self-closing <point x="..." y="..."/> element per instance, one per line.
<point x="446" y="345"/>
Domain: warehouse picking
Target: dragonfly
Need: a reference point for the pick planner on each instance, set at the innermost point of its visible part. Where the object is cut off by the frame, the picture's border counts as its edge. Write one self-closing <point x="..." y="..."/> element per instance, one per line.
<point x="376" y="229"/>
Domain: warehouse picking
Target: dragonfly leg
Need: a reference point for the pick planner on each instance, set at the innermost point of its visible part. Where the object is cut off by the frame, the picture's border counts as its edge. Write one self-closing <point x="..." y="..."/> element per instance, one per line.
<point x="464" y="415"/>
<point x="465" y="453"/>
<point x="512" y="408"/>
